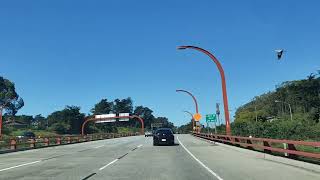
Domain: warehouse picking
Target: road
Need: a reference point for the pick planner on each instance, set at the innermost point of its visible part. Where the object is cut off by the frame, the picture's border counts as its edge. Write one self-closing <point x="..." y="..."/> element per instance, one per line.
<point x="136" y="158"/>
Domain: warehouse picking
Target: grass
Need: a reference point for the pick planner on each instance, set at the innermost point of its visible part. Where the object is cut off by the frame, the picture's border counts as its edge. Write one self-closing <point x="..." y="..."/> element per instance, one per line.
<point x="128" y="130"/>
<point x="38" y="133"/>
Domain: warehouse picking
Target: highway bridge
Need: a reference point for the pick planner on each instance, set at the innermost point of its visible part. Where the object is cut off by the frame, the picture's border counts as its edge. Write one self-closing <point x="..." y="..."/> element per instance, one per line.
<point x="135" y="157"/>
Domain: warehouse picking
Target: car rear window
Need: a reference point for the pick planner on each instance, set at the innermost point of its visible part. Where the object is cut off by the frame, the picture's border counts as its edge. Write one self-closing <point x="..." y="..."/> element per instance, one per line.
<point x="165" y="131"/>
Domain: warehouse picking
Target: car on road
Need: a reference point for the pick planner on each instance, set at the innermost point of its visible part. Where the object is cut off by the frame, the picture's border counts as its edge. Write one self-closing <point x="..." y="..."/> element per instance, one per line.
<point x="163" y="136"/>
<point x="27" y="135"/>
<point x="147" y="134"/>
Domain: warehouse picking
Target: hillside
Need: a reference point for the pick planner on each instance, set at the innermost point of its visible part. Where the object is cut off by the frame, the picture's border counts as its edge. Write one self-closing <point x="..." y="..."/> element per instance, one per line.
<point x="268" y="115"/>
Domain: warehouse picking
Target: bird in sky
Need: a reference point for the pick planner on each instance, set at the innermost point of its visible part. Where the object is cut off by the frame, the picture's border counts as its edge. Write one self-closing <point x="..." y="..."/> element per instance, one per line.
<point x="279" y="53"/>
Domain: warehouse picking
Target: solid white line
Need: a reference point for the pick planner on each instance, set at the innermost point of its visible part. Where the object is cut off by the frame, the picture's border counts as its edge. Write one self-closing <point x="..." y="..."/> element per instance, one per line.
<point x="139" y="146"/>
<point x="108" y="164"/>
<point x="203" y="165"/>
<point x="19" y="165"/>
<point x="99" y="146"/>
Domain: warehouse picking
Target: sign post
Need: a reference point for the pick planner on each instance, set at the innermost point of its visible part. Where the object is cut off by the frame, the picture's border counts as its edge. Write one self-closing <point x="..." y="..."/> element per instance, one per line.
<point x="212" y="118"/>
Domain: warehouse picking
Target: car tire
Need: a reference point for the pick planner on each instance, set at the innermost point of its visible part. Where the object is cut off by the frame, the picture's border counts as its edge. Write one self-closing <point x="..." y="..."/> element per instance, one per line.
<point x="154" y="143"/>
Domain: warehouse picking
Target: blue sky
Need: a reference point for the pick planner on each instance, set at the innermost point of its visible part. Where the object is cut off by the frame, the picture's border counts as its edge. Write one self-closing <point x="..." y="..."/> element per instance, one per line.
<point x="62" y="53"/>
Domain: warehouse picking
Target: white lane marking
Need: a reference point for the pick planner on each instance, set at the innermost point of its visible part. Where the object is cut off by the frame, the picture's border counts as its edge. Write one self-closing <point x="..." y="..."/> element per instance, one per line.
<point x="99" y="146"/>
<point x="108" y="164"/>
<point x="25" y="164"/>
<point x="115" y="160"/>
<point x="203" y="165"/>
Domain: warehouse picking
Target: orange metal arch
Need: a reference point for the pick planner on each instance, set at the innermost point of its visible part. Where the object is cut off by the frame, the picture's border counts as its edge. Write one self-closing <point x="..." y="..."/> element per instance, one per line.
<point x="223" y="82"/>
<point x="118" y="117"/>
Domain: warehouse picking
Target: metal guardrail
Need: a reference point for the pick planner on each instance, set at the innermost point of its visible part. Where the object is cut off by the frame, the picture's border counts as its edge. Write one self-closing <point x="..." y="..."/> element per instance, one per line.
<point x="15" y="144"/>
<point x="288" y="148"/>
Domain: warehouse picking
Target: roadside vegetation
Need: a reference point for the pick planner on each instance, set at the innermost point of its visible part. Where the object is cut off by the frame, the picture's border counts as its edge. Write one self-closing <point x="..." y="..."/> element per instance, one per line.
<point x="268" y="115"/>
<point x="70" y="119"/>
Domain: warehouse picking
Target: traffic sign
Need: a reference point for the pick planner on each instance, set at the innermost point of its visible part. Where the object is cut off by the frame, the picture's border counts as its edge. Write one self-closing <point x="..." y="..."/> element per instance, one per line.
<point x="122" y="115"/>
<point x="197" y="117"/>
<point x="105" y="118"/>
<point x="211" y="118"/>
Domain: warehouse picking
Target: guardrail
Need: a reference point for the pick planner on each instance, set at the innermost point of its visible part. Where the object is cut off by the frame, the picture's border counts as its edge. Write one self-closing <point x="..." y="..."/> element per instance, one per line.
<point x="15" y="144"/>
<point x="288" y="148"/>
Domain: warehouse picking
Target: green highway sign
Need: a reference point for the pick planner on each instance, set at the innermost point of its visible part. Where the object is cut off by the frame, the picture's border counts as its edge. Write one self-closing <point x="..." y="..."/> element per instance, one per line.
<point x="211" y="118"/>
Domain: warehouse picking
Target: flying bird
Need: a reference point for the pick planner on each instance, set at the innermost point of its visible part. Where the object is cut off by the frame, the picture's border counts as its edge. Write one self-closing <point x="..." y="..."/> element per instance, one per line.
<point x="279" y="53"/>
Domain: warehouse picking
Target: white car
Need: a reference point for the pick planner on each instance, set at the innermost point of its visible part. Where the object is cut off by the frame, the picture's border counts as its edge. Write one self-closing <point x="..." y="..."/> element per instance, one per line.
<point x="147" y="134"/>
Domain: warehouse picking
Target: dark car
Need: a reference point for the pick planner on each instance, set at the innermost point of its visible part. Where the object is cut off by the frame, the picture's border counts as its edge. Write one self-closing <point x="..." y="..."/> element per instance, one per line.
<point x="27" y="135"/>
<point x="163" y="136"/>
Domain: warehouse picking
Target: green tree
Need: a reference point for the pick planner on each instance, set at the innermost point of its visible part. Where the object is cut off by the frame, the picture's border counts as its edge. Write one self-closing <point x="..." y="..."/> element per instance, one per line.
<point x="123" y="106"/>
<point x="40" y="122"/>
<point x="9" y="99"/>
<point x="146" y="114"/>
<point x="102" y="107"/>
<point x="185" y="129"/>
<point x="164" y="121"/>
<point x="67" y="121"/>
<point x="24" y="119"/>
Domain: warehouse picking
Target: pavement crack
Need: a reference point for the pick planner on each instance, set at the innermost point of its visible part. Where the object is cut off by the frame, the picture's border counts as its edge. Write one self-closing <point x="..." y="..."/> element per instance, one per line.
<point x="89" y="176"/>
<point x="134" y="149"/>
<point x="123" y="156"/>
<point x="84" y="150"/>
<point x="53" y="157"/>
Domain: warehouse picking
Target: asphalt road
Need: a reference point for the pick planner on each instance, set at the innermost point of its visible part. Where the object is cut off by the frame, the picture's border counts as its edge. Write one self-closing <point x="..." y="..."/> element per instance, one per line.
<point x="136" y="158"/>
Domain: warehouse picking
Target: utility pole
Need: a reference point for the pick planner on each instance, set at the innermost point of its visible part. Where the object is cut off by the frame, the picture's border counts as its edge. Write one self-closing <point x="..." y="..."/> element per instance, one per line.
<point x="255" y="110"/>
<point x="218" y="112"/>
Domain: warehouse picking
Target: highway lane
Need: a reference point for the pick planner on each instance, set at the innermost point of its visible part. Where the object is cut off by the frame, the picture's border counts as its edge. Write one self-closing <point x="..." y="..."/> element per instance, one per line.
<point x="136" y="158"/>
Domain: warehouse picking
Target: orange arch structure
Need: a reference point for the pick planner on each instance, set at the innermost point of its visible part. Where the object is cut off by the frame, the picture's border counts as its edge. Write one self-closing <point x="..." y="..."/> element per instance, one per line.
<point x="118" y="117"/>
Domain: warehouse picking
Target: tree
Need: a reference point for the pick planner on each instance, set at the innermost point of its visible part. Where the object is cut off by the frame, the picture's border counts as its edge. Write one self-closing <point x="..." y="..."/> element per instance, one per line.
<point x="67" y="121"/>
<point x="184" y="129"/>
<point x="146" y="114"/>
<point x="102" y="107"/>
<point x="8" y="96"/>
<point x="274" y="119"/>
<point x="14" y="106"/>
<point x="9" y="99"/>
<point x="164" y="121"/>
<point x="40" y="122"/>
<point x="25" y="119"/>
<point x="123" y="106"/>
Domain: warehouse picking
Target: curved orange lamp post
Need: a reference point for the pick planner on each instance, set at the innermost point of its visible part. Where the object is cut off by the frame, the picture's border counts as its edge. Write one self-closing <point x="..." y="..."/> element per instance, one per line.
<point x="223" y="81"/>
<point x="191" y="118"/>
<point x="194" y="98"/>
<point x="119" y="117"/>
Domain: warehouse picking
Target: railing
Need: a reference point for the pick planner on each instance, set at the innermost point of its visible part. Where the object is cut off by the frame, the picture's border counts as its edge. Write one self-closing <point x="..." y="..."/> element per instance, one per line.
<point x="14" y="144"/>
<point x="288" y="148"/>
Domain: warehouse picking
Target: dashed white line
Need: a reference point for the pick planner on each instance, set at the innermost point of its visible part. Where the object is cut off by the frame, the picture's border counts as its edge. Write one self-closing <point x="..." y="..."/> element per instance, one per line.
<point x="108" y="164"/>
<point x="98" y="146"/>
<point x="25" y="164"/>
<point x="203" y="165"/>
<point x="115" y="160"/>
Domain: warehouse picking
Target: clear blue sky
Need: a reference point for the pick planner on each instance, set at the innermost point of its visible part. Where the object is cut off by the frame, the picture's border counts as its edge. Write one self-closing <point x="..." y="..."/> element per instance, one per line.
<point x="76" y="52"/>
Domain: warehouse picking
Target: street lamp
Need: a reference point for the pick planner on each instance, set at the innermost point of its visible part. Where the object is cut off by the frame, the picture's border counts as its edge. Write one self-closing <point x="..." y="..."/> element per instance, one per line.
<point x="191" y="118"/>
<point x="277" y="101"/>
<point x="194" y="98"/>
<point x="223" y="81"/>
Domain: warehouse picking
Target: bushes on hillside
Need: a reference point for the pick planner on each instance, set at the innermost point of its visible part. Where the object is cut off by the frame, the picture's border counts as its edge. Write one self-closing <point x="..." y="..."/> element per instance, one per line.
<point x="278" y="129"/>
